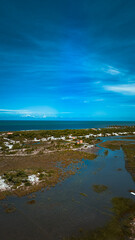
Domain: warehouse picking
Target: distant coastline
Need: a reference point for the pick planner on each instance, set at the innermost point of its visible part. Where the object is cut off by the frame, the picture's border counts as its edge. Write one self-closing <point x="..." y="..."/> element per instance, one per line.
<point x="23" y="125"/>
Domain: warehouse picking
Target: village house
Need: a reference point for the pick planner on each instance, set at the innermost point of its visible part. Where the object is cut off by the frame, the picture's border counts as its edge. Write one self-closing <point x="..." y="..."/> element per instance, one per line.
<point x="79" y="141"/>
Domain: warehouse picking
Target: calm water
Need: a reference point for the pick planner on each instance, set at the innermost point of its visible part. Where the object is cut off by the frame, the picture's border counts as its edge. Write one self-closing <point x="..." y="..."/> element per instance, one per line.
<point x="48" y="125"/>
<point x="62" y="211"/>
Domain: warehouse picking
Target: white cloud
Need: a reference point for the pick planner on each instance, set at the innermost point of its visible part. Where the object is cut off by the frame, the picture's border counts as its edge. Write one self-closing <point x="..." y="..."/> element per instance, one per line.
<point x="111" y="70"/>
<point x="27" y="115"/>
<point x="126" y="89"/>
<point x="15" y="111"/>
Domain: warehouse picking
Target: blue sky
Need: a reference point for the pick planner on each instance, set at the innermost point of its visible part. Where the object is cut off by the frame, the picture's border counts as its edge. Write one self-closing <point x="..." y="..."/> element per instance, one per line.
<point x="63" y="59"/>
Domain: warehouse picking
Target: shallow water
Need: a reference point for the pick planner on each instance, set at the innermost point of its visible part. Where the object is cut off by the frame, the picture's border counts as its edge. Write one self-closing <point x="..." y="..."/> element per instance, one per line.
<point x="62" y="211"/>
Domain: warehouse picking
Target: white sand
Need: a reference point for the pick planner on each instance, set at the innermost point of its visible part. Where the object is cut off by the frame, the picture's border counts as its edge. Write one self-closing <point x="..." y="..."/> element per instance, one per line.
<point x="33" y="179"/>
<point x="3" y="185"/>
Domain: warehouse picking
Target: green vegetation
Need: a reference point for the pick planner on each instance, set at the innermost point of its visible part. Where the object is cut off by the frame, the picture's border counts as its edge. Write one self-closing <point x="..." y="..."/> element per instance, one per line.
<point x="31" y="202"/>
<point x="29" y="151"/>
<point x="116" y="145"/>
<point x="84" y="194"/>
<point x="129" y="150"/>
<point x="133" y="137"/>
<point x="16" y="178"/>
<point x="119" y="227"/>
<point x="4" y="148"/>
<point x="16" y="146"/>
<point x="113" y="145"/>
<point x="122" y="206"/>
<point x="99" y="188"/>
<point x="10" y="209"/>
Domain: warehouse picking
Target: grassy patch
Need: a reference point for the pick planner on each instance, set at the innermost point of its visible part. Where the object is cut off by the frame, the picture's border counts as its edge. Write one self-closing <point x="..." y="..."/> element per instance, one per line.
<point x="106" y="152"/>
<point x="15" y="178"/>
<point x="9" y="208"/>
<point x="99" y="188"/>
<point x="133" y="137"/>
<point x="50" y="169"/>
<point x="119" y="169"/>
<point x="31" y="202"/>
<point x="115" y="145"/>
<point x="129" y="151"/>
<point x="118" y="228"/>
<point x="84" y="194"/>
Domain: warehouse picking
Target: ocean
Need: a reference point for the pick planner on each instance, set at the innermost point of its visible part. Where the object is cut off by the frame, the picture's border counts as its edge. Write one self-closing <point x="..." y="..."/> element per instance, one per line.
<point x="57" y="125"/>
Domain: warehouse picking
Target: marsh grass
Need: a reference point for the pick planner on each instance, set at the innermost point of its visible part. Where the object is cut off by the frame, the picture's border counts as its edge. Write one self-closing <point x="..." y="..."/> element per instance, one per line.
<point x="106" y="152"/>
<point x="129" y="151"/>
<point x="83" y="194"/>
<point x="118" y="228"/>
<point x="119" y="169"/>
<point x="99" y="188"/>
<point x="56" y="170"/>
<point x="16" y="178"/>
<point x="113" y="145"/>
<point x="116" y="145"/>
<point x="31" y="202"/>
<point x="126" y="137"/>
<point x="9" y="208"/>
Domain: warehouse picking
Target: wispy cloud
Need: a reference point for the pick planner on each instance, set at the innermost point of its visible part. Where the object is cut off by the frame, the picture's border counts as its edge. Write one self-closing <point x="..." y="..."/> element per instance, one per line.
<point x="15" y="111"/>
<point x="111" y="70"/>
<point x="126" y="89"/>
<point x="41" y="113"/>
